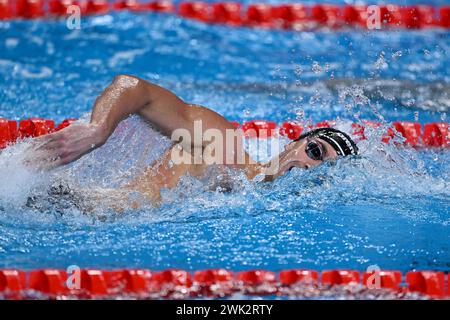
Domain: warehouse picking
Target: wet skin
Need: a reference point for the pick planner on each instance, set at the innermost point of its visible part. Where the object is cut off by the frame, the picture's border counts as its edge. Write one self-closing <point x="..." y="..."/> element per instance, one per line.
<point x="128" y="95"/>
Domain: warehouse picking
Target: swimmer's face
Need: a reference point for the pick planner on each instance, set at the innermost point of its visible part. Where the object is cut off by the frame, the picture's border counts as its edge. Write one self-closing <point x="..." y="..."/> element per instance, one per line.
<point x="305" y="153"/>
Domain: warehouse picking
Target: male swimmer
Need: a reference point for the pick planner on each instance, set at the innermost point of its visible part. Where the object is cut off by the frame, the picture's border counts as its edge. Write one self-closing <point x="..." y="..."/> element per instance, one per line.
<point x="167" y="113"/>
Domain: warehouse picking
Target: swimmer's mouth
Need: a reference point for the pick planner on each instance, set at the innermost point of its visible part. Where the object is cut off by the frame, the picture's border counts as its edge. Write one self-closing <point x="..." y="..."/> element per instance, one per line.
<point x="289" y="169"/>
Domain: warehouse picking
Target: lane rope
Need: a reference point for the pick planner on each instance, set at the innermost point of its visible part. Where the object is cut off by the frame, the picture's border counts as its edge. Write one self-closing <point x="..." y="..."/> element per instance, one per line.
<point x="176" y="283"/>
<point x="283" y="16"/>
<point x="435" y="134"/>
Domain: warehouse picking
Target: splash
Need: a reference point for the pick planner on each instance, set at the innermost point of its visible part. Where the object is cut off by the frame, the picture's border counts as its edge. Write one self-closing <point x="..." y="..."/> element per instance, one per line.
<point x="383" y="173"/>
<point x="18" y="180"/>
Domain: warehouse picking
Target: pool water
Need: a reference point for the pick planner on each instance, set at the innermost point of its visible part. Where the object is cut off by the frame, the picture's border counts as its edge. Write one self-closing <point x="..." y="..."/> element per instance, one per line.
<point x="389" y="207"/>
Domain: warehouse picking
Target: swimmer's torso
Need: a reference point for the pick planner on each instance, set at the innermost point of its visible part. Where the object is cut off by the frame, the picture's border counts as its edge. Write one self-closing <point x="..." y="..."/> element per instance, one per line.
<point x="165" y="174"/>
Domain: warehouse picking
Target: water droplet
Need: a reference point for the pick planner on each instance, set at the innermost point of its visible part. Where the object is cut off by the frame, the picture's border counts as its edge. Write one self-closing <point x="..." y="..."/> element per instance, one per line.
<point x="316" y="68"/>
<point x="397" y="54"/>
<point x="259" y="177"/>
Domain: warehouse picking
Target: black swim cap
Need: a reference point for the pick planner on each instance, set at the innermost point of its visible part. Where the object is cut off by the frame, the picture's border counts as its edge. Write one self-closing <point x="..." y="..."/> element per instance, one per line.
<point x="340" y="141"/>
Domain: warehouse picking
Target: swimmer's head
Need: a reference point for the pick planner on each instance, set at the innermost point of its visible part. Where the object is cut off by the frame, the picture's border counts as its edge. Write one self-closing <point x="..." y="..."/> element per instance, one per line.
<point x="315" y="147"/>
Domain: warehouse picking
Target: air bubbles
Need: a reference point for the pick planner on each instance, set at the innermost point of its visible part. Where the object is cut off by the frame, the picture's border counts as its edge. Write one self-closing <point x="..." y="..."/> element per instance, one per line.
<point x="316" y="68"/>
<point x="352" y="97"/>
<point x="300" y="113"/>
<point x="396" y="55"/>
<point x="298" y="70"/>
<point x="381" y="63"/>
<point x="259" y="178"/>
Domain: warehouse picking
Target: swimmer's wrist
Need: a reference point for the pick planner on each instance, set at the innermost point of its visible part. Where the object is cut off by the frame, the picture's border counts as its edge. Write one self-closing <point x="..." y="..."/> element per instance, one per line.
<point x="101" y="133"/>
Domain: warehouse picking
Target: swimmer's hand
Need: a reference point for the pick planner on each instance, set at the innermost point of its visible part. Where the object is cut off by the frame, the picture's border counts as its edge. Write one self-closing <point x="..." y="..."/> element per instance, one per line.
<point x="65" y="146"/>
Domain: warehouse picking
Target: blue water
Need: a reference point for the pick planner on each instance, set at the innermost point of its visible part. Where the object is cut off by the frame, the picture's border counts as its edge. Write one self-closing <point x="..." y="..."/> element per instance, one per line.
<point x="389" y="207"/>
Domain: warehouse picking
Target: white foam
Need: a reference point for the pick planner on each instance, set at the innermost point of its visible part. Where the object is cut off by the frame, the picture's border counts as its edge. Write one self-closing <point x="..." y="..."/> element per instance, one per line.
<point x="17" y="180"/>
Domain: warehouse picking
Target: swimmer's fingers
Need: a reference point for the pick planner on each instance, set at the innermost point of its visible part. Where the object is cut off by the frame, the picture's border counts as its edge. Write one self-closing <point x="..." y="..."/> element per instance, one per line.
<point x="43" y="151"/>
<point x="41" y="161"/>
<point x="50" y="141"/>
<point x="46" y="157"/>
<point x="61" y="158"/>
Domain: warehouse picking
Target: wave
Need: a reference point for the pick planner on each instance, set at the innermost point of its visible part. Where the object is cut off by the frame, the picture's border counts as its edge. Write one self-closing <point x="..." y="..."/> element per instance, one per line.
<point x="383" y="173"/>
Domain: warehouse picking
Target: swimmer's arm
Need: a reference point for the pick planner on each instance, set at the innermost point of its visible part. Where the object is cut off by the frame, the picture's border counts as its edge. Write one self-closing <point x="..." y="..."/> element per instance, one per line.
<point x="129" y="95"/>
<point x="166" y="112"/>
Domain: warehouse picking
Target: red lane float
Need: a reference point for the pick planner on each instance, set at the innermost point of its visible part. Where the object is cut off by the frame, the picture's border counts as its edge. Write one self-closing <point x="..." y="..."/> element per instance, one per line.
<point x="334" y="277"/>
<point x="35" y="127"/>
<point x="162" y="6"/>
<point x="430" y="135"/>
<point x="290" y="16"/>
<point x="227" y="13"/>
<point x="195" y="10"/>
<point x="416" y="17"/>
<point x="65" y="123"/>
<point x="354" y="15"/>
<point x="410" y="131"/>
<point x="387" y="279"/>
<point x="436" y="134"/>
<point x="16" y="284"/>
<point x="12" y="280"/>
<point x="172" y="277"/>
<point x="256" y="282"/>
<point x="30" y="8"/>
<point x="256" y="277"/>
<point x="291" y="129"/>
<point x="6" y="11"/>
<point x="97" y="7"/>
<point x="280" y="16"/>
<point x="427" y="282"/>
<point x="214" y="282"/>
<point x="444" y="17"/>
<point x="295" y="276"/>
<point x="59" y="7"/>
<point x="259" y="15"/>
<point x="8" y="132"/>
<point x="51" y="282"/>
<point x="326" y="15"/>
<point x="132" y="281"/>
<point x="259" y="128"/>
<point x="128" y="5"/>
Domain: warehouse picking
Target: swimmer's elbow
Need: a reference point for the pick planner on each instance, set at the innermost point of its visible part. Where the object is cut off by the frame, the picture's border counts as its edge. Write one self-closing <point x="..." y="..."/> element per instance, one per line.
<point x="134" y="86"/>
<point x="125" y="80"/>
